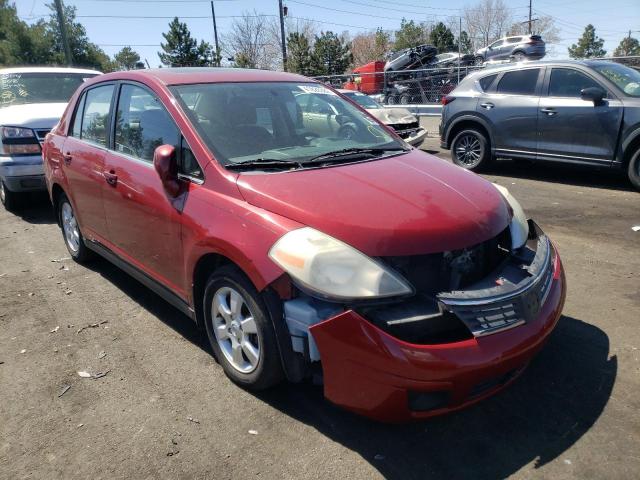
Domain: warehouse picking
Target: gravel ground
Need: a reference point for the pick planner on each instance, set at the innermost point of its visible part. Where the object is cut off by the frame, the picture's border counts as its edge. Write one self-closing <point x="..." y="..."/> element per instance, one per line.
<point x="164" y="409"/>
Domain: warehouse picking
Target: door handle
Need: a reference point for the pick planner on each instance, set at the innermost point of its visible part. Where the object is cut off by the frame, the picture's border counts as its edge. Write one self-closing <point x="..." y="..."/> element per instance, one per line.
<point x="549" y="111"/>
<point x="111" y="178"/>
<point x="487" y="105"/>
<point x="67" y="158"/>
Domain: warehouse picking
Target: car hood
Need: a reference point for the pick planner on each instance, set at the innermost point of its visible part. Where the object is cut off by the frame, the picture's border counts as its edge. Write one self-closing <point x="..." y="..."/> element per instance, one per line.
<point x="393" y="116"/>
<point x="404" y="205"/>
<point x="32" y="115"/>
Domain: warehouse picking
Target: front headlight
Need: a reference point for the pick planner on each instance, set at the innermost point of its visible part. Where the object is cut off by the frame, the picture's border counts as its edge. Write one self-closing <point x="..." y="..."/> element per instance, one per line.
<point x="332" y="269"/>
<point x="519" y="227"/>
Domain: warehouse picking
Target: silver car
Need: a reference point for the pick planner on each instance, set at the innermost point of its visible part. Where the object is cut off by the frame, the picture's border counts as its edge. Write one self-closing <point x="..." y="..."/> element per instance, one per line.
<point x="518" y="48"/>
<point x="32" y="101"/>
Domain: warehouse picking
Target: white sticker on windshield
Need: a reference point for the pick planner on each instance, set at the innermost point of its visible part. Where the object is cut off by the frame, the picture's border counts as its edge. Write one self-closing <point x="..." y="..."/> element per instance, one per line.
<point x="318" y="89"/>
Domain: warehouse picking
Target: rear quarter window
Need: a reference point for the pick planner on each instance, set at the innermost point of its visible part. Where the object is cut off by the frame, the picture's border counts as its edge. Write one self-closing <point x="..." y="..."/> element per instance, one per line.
<point x="486" y="82"/>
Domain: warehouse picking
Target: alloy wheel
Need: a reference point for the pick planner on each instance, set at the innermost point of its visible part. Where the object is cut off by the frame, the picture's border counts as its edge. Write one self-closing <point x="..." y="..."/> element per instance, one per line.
<point x="70" y="228"/>
<point x="236" y="330"/>
<point x="3" y="194"/>
<point x="468" y="151"/>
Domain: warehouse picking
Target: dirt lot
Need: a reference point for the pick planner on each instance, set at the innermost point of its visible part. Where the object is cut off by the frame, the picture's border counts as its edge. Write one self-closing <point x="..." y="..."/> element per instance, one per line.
<point x="573" y="414"/>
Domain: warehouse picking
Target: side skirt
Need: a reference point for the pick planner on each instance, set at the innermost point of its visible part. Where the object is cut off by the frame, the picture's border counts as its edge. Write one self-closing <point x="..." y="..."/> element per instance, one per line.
<point x="143" y="278"/>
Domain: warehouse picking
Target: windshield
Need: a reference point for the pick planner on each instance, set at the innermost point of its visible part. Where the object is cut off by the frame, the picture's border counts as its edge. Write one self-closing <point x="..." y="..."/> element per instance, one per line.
<point x="365" y="101"/>
<point x="284" y="122"/>
<point x="627" y="79"/>
<point x="20" y="88"/>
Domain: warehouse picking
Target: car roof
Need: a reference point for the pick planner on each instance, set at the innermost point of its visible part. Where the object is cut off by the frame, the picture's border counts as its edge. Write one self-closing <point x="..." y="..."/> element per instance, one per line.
<point x="190" y="75"/>
<point x="4" y="71"/>
<point x="498" y="68"/>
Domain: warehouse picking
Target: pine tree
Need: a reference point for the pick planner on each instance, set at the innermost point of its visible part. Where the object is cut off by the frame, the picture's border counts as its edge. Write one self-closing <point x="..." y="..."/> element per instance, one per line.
<point x="331" y="55"/>
<point x="410" y="35"/>
<point x="628" y="46"/>
<point x="465" y="43"/>
<point x="298" y="53"/>
<point x="126" y="59"/>
<point x="588" y="46"/>
<point x="442" y="38"/>
<point x="181" y="50"/>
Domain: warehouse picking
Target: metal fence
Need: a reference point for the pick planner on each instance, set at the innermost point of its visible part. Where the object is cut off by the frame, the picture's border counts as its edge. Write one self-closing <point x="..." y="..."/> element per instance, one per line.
<point x="424" y="86"/>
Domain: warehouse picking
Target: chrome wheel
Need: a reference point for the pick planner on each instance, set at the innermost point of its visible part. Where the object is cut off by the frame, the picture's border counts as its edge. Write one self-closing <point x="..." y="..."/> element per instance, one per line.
<point x="70" y="228"/>
<point x="468" y="151"/>
<point x="3" y="194"/>
<point x="235" y="330"/>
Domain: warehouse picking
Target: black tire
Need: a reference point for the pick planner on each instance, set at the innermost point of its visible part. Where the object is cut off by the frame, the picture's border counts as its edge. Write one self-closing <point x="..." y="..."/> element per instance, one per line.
<point x="470" y="150"/>
<point x="9" y="199"/>
<point x="392" y="100"/>
<point x="77" y="248"/>
<point x="478" y="60"/>
<point x="268" y="370"/>
<point x="405" y="99"/>
<point x="634" y="169"/>
<point x="347" y="132"/>
<point x="519" y="56"/>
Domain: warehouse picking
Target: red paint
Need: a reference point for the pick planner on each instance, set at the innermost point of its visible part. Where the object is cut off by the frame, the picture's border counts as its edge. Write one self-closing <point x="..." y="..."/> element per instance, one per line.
<point x="409" y="204"/>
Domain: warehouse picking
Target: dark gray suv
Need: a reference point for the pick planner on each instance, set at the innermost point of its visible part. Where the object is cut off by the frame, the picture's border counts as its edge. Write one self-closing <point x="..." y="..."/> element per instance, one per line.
<point x="585" y="113"/>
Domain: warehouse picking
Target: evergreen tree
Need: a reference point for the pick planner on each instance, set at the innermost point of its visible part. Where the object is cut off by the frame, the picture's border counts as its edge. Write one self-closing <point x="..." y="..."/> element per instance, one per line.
<point x="242" y="60"/>
<point x="628" y="46"/>
<point x="465" y="43"/>
<point x="126" y="59"/>
<point x="442" y="38"/>
<point x="410" y="35"/>
<point x="331" y="55"/>
<point x="181" y="49"/>
<point x="588" y="46"/>
<point x="298" y="53"/>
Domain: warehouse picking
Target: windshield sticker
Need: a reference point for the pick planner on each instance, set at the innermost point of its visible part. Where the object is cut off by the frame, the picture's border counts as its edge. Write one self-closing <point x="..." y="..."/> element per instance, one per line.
<point x="316" y="89"/>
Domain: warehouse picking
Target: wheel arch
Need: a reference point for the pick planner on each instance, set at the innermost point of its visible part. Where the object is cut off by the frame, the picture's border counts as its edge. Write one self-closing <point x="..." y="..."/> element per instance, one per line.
<point x="56" y="192"/>
<point x="465" y="122"/>
<point x="629" y="146"/>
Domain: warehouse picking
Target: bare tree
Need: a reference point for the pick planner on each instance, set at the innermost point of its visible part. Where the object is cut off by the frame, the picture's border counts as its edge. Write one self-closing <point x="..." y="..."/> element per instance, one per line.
<point x="544" y="26"/>
<point x="248" y="39"/>
<point x="370" y="46"/>
<point x="487" y="21"/>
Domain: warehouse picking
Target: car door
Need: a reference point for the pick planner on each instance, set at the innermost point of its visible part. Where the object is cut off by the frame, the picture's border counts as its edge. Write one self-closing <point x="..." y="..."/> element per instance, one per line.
<point x="510" y="106"/>
<point x="574" y="129"/>
<point x="84" y="154"/>
<point x="494" y="50"/>
<point x="143" y="222"/>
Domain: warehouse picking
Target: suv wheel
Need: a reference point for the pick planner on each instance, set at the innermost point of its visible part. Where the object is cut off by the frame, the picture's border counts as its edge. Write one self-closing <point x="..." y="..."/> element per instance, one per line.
<point x="405" y="99"/>
<point x="479" y="60"/>
<point x="634" y="169"/>
<point x="73" y="238"/>
<point x="519" y="56"/>
<point x="239" y="330"/>
<point x="470" y="150"/>
<point x="8" y="198"/>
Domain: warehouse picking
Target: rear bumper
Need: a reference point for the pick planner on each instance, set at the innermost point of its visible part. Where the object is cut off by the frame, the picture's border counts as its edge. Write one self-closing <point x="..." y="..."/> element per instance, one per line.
<point x="23" y="174"/>
<point x="379" y="376"/>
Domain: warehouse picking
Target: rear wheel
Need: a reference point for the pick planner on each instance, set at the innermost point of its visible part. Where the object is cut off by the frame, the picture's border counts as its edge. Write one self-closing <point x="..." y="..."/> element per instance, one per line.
<point x="479" y="60"/>
<point x="240" y="331"/>
<point x="405" y="99"/>
<point x="519" y="56"/>
<point x="73" y="238"/>
<point x="8" y="198"/>
<point x="634" y="169"/>
<point x="470" y="150"/>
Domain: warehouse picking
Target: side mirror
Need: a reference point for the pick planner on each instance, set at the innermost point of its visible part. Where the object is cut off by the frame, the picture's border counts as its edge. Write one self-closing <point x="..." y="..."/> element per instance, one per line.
<point x="594" y="94"/>
<point x="166" y="165"/>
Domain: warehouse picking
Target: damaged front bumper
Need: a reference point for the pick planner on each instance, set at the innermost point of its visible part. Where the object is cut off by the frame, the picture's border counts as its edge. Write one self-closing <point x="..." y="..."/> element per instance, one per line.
<point x="369" y="370"/>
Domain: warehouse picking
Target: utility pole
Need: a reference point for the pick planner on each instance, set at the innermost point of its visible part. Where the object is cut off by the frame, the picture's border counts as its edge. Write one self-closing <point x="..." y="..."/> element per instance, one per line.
<point x="63" y="33"/>
<point x="459" y="48"/>
<point x="284" y="40"/>
<point x="215" y="33"/>
<point x="530" y="17"/>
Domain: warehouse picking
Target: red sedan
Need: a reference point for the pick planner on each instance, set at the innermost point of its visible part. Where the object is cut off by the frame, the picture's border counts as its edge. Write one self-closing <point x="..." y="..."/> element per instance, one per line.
<point x="412" y="286"/>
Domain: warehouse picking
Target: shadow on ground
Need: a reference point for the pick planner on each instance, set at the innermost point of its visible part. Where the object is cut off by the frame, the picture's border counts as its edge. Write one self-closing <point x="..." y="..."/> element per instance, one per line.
<point x="536" y="419"/>
<point x="35" y="208"/>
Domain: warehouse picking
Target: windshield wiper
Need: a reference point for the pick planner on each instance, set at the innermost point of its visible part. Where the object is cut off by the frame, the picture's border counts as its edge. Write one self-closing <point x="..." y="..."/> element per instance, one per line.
<point x="264" y="163"/>
<point x="339" y="155"/>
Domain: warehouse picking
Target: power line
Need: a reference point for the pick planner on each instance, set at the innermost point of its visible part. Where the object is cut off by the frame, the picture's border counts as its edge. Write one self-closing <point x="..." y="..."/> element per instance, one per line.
<point x="386" y="17"/>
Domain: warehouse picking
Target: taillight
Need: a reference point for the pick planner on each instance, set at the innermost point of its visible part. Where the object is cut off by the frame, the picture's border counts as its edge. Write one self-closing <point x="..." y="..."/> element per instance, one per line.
<point x="18" y="141"/>
<point x="447" y="99"/>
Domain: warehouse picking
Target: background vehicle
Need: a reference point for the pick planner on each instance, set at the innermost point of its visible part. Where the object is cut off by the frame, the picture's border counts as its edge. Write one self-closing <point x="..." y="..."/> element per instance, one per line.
<point x="583" y="113"/>
<point x="400" y="119"/>
<point x="521" y="47"/>
<point x="451" y="60"/>
<point x="31" y="102"/>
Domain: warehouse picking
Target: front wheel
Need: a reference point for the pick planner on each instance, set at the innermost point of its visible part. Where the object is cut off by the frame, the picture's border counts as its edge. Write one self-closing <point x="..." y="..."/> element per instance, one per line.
<point x="634" y="170"/>
<point x="519" y="57"/>
<point x="470" y="150"/>
<point x="479" y="60"/>
<point x="405" y="99"/>
<point x="240" y="331"/>
<point x="8" y="198"/>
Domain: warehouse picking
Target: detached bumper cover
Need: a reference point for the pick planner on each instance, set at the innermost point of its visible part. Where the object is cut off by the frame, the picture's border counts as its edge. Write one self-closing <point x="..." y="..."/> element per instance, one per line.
<point x="374" y="374"/>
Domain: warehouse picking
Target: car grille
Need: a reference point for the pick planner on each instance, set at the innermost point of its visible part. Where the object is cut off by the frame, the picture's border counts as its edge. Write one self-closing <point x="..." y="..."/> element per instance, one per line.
<point x="41" y="133"/>
<point x="405" y="130"/>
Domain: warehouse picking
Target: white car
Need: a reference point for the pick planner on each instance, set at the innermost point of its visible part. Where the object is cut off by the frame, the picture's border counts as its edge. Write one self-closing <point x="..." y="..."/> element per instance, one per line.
<point x="32" y="100"/>
<point x="400" y="119"/>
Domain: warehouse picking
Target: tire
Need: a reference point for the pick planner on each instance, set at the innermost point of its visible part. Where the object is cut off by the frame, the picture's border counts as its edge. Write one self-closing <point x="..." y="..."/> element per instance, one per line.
<point x="392" y="100"/>
<point x="347" y="132"/>
<point x="405" y="99"/>
<point x="634" y="170"/>
<point x="243" y="338"/>
<point x="519" y="56"/>
<point x="9" y="199"/>
<point x="470" y="150"/>
<point x="73" y="239"/>
<point x="478" y="60"/>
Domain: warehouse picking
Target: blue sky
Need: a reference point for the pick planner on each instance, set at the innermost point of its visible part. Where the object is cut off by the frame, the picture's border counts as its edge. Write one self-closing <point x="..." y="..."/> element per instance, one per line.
<point x="612" y="18"/>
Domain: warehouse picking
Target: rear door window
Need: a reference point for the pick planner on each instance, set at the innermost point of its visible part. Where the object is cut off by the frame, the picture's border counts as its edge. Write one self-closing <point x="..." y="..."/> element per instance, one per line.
<point x="566" y="82"/>
<point x="519" y="82"/>
<point x="142" y="124"/>
<point x="95" y="117"/>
